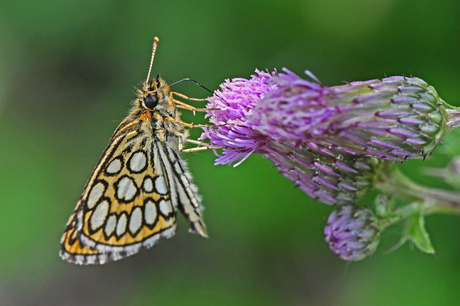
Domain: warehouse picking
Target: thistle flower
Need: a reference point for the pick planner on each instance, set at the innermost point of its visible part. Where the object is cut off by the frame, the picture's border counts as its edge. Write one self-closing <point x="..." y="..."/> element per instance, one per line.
<point x="326" y="173"/>
<point x="394" y="118"/>
<point x="352" y="232"/>
<point x="228" y="110"/>
<point x="336" y="143"/>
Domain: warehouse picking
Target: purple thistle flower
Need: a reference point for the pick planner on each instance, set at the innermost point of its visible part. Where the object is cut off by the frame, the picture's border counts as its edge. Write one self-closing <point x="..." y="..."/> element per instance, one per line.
<point x="394" y="118"/>
<point x="352" y="232"/>
<point x="326" y="173"/>
<point x="326" y="139"/>
<point x="228" y="110"/>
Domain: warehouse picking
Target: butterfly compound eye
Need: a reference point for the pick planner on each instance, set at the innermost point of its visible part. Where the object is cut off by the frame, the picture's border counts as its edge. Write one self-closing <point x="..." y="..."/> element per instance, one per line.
<point x="150" y="101"/>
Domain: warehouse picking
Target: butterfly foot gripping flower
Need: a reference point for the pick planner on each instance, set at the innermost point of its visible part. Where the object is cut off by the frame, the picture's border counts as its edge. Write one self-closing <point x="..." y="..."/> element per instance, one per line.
<point x="352" y="232"/>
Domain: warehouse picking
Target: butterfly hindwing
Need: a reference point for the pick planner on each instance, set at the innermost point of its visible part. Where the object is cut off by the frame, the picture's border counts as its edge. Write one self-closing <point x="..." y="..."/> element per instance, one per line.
<point x="184" y="192"/>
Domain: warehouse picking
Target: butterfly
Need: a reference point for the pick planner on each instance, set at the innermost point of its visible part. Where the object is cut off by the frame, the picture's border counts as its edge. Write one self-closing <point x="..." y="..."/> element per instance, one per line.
<point x="140" y="182"/>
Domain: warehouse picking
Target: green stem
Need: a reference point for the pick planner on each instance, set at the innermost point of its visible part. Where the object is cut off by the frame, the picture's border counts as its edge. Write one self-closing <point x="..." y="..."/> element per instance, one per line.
<point x="394" y="182"/>
<point x="401" y="213"/>
<point x="453" y="118"/>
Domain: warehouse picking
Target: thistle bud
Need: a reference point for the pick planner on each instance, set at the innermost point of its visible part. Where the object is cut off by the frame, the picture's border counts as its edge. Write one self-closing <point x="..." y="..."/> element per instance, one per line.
<point x="352" y="232"/>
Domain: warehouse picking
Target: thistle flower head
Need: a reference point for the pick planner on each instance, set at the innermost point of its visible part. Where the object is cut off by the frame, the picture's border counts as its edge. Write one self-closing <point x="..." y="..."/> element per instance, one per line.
<point x="328" y="140"/>
<point x="324" y="172"/>
<point x="228" y="110"/>
<point x="352" y="232"/>
<point x="394" y="118"/>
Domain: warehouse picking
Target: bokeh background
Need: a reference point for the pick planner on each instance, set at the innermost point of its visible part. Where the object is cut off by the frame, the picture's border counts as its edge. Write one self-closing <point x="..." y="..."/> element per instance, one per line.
<point x="67" y="74"/>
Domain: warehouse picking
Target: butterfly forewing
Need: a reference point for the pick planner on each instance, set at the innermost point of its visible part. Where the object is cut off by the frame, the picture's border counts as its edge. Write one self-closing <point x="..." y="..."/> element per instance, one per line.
<point x="132" y="197"/>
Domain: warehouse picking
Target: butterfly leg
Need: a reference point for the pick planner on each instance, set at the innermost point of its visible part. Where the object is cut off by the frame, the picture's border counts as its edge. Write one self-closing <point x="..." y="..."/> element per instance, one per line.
<point x="202" y="146"/>
<point x="185" y="97"/>
<point x="180" y="104"/>
<point x="190" y="125"/>
<point x="183" y="105"/>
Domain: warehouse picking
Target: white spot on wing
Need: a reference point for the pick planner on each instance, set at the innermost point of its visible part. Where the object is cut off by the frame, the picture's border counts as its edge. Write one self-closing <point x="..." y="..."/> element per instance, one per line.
<point x="135" y="220"/>
<point x="150" y="213"/>
<point x="148" y="185"/>
<point x="79" y="220"/>
<point x="160" y="185"/>
<point x="114" y="166"/>
<point x="99" y="215"/>
<point x="138" y="161"/>
<point x="110" y="226"/>
<point x="126" y="190"/>
<point x="121" y="225"/>
<point x="165" y="207"/>
<point x="94" y="195"/>
<point x="177" y="167"/>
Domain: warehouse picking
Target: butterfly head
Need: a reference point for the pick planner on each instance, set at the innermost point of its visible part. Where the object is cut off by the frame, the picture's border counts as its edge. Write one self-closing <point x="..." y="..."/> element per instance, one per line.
<point x="154" y="94"/>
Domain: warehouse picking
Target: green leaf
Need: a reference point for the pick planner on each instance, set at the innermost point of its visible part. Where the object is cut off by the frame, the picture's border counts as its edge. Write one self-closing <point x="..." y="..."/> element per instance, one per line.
<point x="416" y="232"/>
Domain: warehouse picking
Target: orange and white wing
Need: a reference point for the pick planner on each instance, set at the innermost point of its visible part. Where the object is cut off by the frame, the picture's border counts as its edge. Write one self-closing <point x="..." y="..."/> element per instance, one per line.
<point x="130" y="201"/>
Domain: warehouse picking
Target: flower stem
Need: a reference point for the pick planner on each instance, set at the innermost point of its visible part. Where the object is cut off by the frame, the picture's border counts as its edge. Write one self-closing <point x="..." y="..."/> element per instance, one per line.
<point x="401" y="213"/>
<point x="454" y="118"/>
<point x="393" y="181"/>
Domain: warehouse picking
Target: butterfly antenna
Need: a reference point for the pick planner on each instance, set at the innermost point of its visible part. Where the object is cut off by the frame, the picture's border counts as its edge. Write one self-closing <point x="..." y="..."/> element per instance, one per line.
<point x="188" y="79"/>
<point x="155" y="45"/>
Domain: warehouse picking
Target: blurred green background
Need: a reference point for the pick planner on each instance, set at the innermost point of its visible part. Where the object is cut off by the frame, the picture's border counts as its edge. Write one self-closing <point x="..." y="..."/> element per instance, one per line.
<point x="67" y="74"/>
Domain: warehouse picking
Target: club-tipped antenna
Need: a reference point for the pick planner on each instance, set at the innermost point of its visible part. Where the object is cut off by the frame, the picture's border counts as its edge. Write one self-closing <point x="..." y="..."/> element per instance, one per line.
<point x="155" y="45"/>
